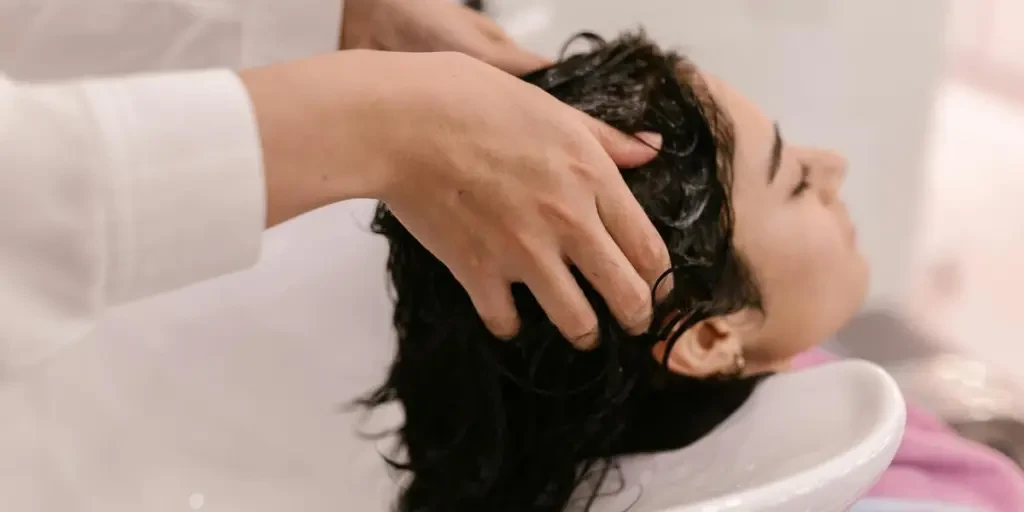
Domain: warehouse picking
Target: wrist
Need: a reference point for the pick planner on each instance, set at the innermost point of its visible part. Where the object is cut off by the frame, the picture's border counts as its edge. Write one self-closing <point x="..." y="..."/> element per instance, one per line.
<point x="315" y="118"/>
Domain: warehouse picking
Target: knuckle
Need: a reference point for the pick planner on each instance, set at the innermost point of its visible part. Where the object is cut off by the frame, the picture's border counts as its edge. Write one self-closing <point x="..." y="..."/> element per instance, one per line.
<point x="651" y="255"/>
<point x="473" y="259"/>
<point x="581" y="170"/>
<point x="636" y="309"/>
<point x="560" y="215"/>
<point x="524" y="244"/>
<point x="478" y="262"/>
<point x="602" y="131"/>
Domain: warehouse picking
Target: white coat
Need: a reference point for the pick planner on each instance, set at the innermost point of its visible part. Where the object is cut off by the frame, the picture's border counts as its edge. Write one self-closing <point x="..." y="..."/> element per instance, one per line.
<point x="120" y="392"/>
<point x="117" y="187"/>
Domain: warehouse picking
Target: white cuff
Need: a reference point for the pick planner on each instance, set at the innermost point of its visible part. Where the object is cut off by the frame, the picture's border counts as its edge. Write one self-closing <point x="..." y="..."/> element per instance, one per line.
<point x="186" y="192"/>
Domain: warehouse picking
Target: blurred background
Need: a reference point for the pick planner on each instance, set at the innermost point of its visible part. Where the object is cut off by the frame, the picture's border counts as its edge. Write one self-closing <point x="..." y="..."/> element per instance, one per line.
<point x="926" y="99"/>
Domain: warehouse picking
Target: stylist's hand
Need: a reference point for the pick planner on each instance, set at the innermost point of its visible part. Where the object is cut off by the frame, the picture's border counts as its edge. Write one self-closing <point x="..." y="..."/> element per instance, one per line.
<point x="432" y="26"/>
<point x="501" y="181"/>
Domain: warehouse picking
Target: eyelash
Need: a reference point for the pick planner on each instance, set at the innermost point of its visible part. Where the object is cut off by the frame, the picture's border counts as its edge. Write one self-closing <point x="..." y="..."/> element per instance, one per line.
<point x="805" y="172"/>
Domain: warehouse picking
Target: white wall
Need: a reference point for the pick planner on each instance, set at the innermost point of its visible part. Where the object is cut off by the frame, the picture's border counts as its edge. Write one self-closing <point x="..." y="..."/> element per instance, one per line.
<point x="858" y="76"/>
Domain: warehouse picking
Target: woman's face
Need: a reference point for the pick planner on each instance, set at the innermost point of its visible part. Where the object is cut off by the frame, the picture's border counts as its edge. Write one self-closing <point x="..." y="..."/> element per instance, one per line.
<point x="793" y="231"/>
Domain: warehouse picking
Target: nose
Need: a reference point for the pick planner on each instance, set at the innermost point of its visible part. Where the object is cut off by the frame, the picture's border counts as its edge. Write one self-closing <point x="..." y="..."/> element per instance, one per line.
<point x="831" y="168"/>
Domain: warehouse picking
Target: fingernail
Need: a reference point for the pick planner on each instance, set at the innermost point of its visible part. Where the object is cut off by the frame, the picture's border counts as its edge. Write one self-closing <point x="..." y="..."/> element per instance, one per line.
<point x="585" y="342"/>
<point x="504" y="330"/>
<point x="652" y="139"/>
<point x="505" y="335"/>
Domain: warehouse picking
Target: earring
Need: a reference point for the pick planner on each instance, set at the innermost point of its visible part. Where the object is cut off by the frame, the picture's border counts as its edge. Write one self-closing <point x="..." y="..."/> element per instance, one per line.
<point x="739" y="364"/>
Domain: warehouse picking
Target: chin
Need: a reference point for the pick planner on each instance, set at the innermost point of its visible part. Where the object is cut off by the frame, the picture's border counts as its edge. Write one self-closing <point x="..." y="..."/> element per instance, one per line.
<point x="854" y="295"/>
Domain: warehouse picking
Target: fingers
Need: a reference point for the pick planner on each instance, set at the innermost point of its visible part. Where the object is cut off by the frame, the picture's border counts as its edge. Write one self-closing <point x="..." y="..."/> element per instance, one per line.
<point x="605" y="266"/>
<point x="633" y="233"/>
<point x="486" y="25"/>
<point x="492" y="298"/>
<point x="623" y="217"/>
<point x="501" y="51"/>
<point x="507" y="55"/>
<point x="557" y="292"/>
<point x="625" y="150"/>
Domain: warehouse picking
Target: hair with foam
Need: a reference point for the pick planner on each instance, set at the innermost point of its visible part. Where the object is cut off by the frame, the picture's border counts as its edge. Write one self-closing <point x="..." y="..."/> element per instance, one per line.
<point x="522" y="425"/>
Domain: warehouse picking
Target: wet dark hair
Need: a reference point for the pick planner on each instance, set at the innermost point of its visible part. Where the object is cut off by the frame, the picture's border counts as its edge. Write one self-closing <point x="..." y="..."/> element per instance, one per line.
<point x="519" y="425"/>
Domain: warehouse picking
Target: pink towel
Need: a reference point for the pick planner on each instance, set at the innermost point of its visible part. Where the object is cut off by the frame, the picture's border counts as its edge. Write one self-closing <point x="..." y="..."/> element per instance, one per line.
<point x="934" y="463"/>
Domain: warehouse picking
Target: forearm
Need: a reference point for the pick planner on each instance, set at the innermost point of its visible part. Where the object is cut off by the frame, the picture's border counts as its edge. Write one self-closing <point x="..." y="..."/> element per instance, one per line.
<point x="318" y="133"/>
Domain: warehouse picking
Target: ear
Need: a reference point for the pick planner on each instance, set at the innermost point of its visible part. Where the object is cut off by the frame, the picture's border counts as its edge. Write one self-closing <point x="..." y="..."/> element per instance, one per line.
<point x="709" y="347"/>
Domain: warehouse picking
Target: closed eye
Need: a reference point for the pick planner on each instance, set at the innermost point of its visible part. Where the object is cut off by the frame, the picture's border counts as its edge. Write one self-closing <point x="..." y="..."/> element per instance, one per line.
<point x="804" y="184"/>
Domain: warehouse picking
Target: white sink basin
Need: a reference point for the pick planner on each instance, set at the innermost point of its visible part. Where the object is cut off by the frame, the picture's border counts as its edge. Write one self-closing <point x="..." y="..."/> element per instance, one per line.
<point x="225" y="397"/>
<point x="812" y="440"/>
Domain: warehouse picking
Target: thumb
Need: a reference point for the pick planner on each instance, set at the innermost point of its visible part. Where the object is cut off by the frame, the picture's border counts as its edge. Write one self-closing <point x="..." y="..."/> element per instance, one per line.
<point x="627" y="151"/>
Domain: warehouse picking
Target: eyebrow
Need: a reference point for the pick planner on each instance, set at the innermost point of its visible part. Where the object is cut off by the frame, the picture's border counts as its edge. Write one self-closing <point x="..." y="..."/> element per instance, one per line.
<point x="773" y="165"/>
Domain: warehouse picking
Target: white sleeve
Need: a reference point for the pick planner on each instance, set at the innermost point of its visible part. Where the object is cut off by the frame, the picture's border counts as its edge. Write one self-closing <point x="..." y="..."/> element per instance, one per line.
<point x="114" y="189"/>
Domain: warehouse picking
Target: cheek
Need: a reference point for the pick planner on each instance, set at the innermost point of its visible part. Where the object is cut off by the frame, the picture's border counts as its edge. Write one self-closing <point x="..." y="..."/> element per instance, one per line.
<point x="812" y="279"/>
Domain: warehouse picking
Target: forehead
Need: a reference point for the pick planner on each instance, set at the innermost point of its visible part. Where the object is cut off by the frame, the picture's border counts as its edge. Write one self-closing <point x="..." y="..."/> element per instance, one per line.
<point x="753" y="132"/>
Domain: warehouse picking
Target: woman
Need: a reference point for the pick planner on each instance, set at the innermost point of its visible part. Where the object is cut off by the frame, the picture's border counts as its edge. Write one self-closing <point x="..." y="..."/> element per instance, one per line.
<point x="759" y="240"/>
